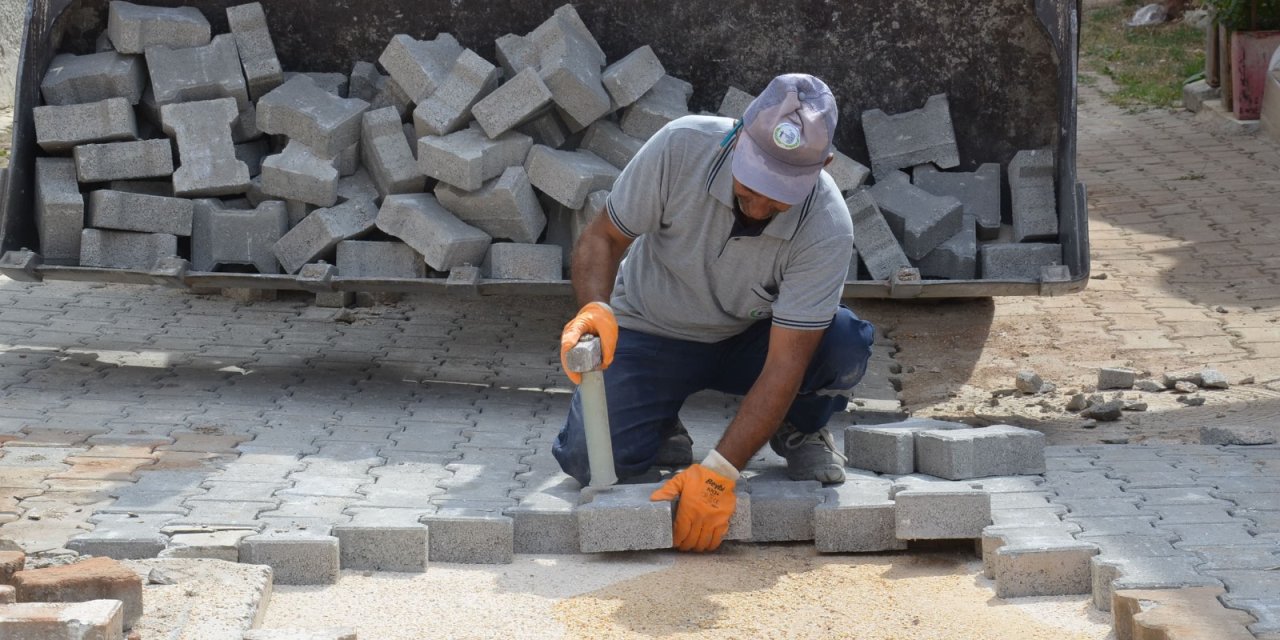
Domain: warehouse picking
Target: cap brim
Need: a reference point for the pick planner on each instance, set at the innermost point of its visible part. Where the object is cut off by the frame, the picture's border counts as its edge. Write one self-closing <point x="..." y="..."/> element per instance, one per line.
<point x="786" y="183"/>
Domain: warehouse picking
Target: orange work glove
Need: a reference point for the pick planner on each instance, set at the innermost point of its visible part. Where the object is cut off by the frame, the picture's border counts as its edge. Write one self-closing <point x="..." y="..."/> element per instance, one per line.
<point x="594" y="319"/>
<point x="706" y="504"/>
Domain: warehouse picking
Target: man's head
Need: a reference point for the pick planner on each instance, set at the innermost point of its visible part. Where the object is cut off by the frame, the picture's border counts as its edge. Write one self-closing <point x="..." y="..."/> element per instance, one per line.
<point x="786" y="138"/>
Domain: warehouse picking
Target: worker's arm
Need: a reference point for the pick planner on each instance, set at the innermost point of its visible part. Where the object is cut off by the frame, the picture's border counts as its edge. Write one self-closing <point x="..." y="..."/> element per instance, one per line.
<point x="766" y="404"/>
<point x="595" y="260"/>
<point x="595" y="264"/>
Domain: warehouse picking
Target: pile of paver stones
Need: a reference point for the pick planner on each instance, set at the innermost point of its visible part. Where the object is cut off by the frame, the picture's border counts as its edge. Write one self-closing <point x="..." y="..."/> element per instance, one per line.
<point x="435" y="159"/>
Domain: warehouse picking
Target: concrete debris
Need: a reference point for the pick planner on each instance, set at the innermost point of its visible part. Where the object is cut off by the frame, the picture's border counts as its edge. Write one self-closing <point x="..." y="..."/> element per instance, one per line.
<point x="1234" y="435"/>
<point x="1028" y="382"/>
<point x="1108" y="411"/>
<point x="1116" y="378"/>
<point x="1077" y="403"/>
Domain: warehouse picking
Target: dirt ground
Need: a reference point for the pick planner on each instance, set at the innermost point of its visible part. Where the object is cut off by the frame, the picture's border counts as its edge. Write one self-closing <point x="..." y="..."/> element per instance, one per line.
<point x="959" y="360"/>
<point x="744" y="591"/>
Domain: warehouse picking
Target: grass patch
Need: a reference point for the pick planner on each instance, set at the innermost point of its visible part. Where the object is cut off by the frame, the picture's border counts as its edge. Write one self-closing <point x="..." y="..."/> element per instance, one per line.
<point x="1147" y="64"/>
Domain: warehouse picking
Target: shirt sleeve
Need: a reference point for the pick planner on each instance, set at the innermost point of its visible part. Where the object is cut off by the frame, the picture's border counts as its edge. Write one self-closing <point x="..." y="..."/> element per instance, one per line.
<point x="640" y="193"/>
<point x="809" y="293"/>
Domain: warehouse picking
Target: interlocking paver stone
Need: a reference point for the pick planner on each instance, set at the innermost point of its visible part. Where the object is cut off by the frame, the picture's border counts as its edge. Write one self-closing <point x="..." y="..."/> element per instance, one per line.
<point x="383" y="540"/>
<point x="856" y="517"/>
<point x="622" y="518"/>
<point x="469" y="536"/>
<point x="295" y="558"/>
<point x="198" y="73"/>
<point x="783" y="511"/>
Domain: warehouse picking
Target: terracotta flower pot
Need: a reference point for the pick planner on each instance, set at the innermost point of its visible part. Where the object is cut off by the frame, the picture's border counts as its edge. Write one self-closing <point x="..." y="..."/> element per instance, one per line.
<point x="1251" y="52"/>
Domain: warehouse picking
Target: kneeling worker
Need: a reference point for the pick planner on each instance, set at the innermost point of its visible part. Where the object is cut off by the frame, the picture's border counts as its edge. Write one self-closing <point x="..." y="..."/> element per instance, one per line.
<point x="739" y="248"/>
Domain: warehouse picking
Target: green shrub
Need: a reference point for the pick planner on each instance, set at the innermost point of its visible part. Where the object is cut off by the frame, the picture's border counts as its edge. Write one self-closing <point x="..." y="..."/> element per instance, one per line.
<point x="1246" y="15"/>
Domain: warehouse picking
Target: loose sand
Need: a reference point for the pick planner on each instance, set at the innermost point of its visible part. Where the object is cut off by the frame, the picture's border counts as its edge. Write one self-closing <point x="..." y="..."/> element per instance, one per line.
<point x="747" y="591"/>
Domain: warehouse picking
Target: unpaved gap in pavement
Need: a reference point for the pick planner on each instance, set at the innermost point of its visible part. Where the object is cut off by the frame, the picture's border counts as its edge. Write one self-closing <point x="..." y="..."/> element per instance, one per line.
<point x="745" y="591"/>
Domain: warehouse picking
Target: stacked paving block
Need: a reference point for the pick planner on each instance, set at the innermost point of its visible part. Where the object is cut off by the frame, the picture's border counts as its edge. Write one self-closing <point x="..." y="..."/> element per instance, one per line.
<point x="59" y="210"/>
<point x="222" y="236"/>
<point x="124" y="160"/>
<point x="419" y="67"/>
<point x="1018" y="261"/>
<point x="297" y="174"/>
<point x="873" y="239"/>
<point x="505" y="207"/>
<point x="628" y="79"/>
<point x="95" y="77"/>
<point x="197" y="73"/>
<point x="306" y="113"/>
<point x="124" y="211"/>
<point x="449" y="107"/>
<point x="517" y="150"/>
<point x="514" y="261"/>
<point x="569" y="176"/>
<point x="62" y="128"/>
<point x="889" y="448"/>
<point x="666" y="101"/>
<point x="443" y="240"/>
<point x="967" y="238"/>
<point x="125" y="249"/>
<point x="248" y="23"/>
<point x="370" y="259"/>
<point x="963" y="454"/>
<point x="608" y="141"/>
<point x="387" y="155"/>
<point x="1031" y="191"/>
<point x="467" y="158"/>
<point x="913" y="138"/>
<point x="919" y="220"/>
<point x="134" y="28"/>
<point x="518" y="100"/>
<point x="979" y="191"/>
<point x="209" y="165"/>
<point x="320" y="232"/>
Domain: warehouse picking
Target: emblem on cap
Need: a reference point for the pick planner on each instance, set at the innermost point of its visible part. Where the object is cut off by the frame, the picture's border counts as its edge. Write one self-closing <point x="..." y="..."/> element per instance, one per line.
<point x="786" y="135"/>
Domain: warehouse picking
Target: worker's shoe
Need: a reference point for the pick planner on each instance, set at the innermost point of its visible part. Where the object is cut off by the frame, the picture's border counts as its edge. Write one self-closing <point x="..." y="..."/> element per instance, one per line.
<point x="677" y="447"/>
<point x="810" y="456"/>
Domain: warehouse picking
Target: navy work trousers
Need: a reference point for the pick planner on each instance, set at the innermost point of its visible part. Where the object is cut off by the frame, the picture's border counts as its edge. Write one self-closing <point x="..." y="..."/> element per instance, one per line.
<point x="651" y="377"/>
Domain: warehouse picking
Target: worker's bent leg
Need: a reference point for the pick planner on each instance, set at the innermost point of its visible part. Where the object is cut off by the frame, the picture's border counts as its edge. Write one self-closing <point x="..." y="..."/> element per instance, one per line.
<point x="837" y="366"/>
<point x="649" y="380"/>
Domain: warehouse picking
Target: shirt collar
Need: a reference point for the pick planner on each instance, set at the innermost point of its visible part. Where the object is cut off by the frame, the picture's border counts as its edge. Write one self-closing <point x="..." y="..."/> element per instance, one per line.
<point x="720" y="186"/>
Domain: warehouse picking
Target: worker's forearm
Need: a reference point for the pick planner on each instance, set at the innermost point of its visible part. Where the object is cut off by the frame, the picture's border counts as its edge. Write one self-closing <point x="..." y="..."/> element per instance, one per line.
<point x="594" y="267"/>
<point x="762" y="410"/>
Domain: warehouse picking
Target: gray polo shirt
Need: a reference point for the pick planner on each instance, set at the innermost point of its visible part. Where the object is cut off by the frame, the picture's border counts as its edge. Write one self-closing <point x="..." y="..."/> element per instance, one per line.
<point x="691" y="273"/>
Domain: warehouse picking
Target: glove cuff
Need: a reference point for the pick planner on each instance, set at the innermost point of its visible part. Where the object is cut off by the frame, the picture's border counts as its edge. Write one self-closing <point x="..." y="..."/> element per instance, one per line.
<point x="717" y="463"/>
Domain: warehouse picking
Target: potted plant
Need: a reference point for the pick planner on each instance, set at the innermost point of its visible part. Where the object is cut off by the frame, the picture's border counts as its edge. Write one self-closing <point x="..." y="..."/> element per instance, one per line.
<point x="1254" y="30"/>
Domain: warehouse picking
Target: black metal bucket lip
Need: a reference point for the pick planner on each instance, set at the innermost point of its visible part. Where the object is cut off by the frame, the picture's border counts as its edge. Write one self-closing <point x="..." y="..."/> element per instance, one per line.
<point x="490" y="286"/>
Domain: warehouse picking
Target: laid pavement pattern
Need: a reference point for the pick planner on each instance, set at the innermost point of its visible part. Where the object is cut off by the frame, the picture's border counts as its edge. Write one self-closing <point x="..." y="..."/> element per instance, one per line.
<point x="129" y="409"/>
<point x="193" y="411"/>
